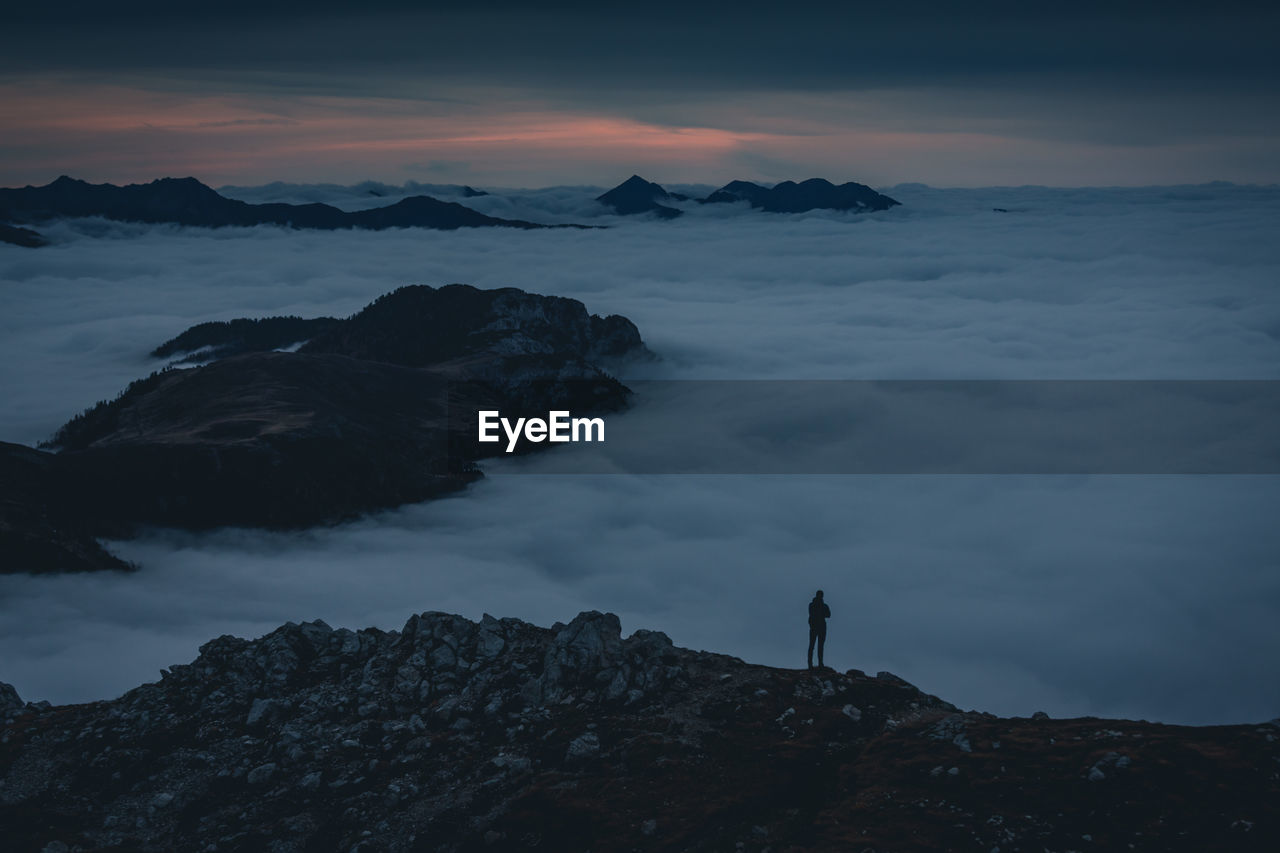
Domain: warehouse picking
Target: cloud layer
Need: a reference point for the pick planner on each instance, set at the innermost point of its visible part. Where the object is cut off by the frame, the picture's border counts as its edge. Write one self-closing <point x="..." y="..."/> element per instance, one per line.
<point x="507" y="93"/>
<point x="1139" y="596"/>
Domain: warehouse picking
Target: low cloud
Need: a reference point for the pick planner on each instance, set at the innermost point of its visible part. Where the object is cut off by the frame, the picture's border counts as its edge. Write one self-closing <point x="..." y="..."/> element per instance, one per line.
<point x="1138" y="596"/>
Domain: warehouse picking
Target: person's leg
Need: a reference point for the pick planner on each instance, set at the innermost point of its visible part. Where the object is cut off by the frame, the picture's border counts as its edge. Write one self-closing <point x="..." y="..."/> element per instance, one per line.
<point x="822" y="642"/>
<point x="813" y="635"/>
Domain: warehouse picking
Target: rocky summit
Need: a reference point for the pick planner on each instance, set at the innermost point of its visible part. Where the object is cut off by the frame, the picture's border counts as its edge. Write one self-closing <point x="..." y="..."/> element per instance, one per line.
<point x="498" y="735"/>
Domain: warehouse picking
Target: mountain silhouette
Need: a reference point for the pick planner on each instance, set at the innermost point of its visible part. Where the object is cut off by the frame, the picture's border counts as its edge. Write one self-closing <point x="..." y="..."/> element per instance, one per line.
<point x="790" y="197"/>
<point x="636" y="195"/>
<point x="186" y="201"/>
<point x="373" y="411"/>
<point x="21" y="237"/>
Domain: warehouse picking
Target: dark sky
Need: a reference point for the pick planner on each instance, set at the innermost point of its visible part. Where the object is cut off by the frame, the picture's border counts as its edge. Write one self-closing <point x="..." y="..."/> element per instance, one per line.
<point x="530" y="94"/>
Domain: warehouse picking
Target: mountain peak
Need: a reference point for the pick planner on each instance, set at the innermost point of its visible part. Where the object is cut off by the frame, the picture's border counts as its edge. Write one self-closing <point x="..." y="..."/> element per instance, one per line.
<point x="636" y="195"/>
<point x="811" y="194"/>
<point x="500" y="734"/>
<point x="187" y="181"/>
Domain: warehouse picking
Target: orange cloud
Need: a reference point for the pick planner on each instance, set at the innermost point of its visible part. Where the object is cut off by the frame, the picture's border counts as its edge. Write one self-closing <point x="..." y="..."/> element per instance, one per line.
<point x="102" y="129"/>
<point x="121" y="133"/>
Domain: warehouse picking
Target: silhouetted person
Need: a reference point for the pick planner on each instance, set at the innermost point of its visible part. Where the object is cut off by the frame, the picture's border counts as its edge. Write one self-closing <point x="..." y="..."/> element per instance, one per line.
<point x="819" y="613"/>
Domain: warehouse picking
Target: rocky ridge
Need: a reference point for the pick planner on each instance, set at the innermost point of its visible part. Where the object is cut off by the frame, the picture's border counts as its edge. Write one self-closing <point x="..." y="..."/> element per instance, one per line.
<point x="371" y="412"/>
<point x="458" y="735"/>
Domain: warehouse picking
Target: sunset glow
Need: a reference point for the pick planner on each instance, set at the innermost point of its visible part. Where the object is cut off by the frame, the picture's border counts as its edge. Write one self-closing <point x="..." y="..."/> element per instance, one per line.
<point x="498" y="136"/>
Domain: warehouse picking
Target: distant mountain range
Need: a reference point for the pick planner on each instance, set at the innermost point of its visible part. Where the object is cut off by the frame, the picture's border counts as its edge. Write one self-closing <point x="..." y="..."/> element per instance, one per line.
<point x="636" y="195"/>
<point x="186" y="201"/>
<point x="813" y="194"/>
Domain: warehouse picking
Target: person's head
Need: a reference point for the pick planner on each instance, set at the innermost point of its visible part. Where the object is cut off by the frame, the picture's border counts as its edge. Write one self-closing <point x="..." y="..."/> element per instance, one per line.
<point x="818" y="594"/>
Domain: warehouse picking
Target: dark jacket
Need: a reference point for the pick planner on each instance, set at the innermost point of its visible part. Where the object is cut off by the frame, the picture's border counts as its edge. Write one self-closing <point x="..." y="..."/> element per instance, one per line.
<point x="819" y="613"/>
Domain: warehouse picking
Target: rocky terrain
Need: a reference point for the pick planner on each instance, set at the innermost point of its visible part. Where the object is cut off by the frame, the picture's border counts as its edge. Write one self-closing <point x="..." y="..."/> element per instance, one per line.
<point x="373" y="411"/>
<point x="186" y="201"/>
<point x="459" y="735"/>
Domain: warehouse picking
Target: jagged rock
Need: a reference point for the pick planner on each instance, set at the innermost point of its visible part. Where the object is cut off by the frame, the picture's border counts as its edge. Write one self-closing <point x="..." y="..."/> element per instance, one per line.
<point x="9" y="699"/>
<point x="1111" y="760"/>
<point x="951" y="729"/>
<point x="889" y="677"/>
<point x="582" y="747"/>
<point x="319" y="738"/>
<point x="261" y="774"/>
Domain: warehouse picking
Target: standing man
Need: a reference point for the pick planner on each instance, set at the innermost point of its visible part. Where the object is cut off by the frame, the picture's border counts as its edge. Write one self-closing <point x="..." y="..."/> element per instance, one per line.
<point x="819" y="613"/>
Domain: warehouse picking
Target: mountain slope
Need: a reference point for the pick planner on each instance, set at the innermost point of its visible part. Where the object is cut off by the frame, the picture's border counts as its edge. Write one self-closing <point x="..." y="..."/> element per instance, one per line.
<point x="374" y="411"/>
<point x="456" y="735"/>
<point x="636" y="195"/>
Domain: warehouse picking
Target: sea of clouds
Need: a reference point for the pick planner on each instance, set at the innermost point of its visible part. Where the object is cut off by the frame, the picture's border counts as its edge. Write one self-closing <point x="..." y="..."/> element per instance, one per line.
<point x="1137" y="596"/>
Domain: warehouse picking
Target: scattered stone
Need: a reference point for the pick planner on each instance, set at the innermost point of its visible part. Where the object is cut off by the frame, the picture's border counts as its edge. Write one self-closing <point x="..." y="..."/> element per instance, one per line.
<point x="583" y="747"/>
<point x="1111" y="759"/>
<point x="259" y="711"/>
<point x="261" y="774"/>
